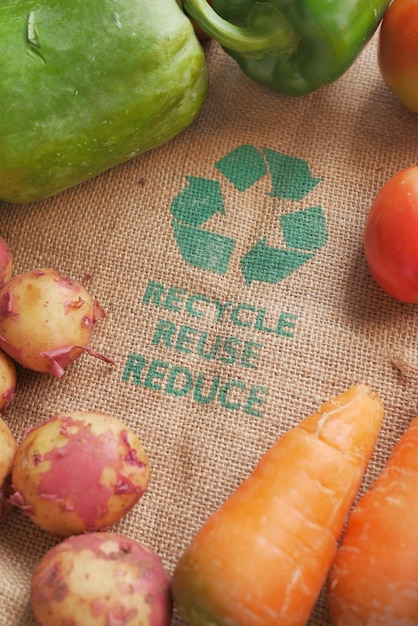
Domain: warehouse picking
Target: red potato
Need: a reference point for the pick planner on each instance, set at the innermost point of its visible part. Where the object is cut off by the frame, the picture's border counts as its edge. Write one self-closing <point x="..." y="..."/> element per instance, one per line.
<point x="262" y="558"/>
<point x="7" y="381"/>
<point x="46" y="320"/>
<point x="79" y="471"/>
<point x="101" y="579"/>
<point x="6" y="262"/>
<point x="8" y="447"/>
<point x="374" y="578"/>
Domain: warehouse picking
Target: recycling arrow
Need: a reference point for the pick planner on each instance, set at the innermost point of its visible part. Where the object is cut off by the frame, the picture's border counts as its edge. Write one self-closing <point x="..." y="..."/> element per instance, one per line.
<point x="243" y="166"/>
<point x="198" y="202"/>
<point x="202" y="248"/>
<point x="290" y="176"/>
<point x="271" y="265"/>
<point x="190" y="209"/>
<point x="304" y="230"/>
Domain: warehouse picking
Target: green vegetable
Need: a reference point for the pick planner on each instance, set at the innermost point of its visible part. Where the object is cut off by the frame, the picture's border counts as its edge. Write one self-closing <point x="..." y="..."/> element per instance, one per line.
<point x="88" y="84"/>
<point x="295" y="46"/>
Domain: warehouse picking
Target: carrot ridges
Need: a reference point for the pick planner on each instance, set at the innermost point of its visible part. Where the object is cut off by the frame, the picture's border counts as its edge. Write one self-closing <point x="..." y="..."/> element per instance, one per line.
<point x="374" y="578"/>
<point x="262" y="558"/>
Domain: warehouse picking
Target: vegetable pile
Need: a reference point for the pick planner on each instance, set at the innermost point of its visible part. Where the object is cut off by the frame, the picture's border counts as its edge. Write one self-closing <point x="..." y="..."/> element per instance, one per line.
<point x="263" y="557"/>
<point x="77" y="472"/>
<point x="80" y="116"/>
<point x="80" y="472"/>
<point x="293" y="527"/>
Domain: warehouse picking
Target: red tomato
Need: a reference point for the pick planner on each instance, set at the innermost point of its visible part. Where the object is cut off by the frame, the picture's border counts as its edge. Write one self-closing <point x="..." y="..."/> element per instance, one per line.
<point x="391" y="236"/>
<point x="398" y="51"/>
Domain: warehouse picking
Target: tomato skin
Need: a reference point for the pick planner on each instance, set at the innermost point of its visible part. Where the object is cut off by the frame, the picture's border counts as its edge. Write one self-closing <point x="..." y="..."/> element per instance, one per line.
<point x="391" y="236"/>
<point x="398" y="51"/>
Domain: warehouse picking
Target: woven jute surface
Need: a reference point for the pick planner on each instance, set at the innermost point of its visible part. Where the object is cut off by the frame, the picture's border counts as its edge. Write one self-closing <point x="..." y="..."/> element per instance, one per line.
<point x="217" y="348"/>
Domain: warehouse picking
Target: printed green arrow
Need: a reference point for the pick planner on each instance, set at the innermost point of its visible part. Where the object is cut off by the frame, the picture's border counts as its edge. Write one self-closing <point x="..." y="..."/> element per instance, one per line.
<point x="202" y="248"/>
<point x="198" y="202"/>
<point x="271" y="265"/>
<point x="290" y="176"/>
<point x="243" y="166"/>
<point x="305" y="229"/>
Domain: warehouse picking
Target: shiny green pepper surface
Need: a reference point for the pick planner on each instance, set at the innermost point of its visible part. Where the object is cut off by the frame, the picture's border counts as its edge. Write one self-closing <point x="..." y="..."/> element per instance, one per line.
<point x="294" y="46"/>
<point x="88" y="84"/>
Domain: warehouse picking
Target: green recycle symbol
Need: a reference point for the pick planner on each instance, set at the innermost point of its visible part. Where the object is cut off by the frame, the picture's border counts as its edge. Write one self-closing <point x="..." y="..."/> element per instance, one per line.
<point x="304" y="230"/>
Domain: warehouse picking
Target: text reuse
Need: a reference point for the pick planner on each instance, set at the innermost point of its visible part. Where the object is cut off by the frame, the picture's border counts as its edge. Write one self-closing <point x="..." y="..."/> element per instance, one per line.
<point x="177" y="338"/>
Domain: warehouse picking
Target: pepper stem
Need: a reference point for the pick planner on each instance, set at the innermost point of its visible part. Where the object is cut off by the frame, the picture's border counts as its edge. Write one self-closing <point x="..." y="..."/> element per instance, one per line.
<point x="267" y="28"/>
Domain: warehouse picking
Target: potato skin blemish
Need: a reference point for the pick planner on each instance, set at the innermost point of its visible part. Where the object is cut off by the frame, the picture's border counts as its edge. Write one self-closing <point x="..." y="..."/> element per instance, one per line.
<point x="79" y="472"/>
<point x="99" y="578"/>
<point x="47" y="321"/>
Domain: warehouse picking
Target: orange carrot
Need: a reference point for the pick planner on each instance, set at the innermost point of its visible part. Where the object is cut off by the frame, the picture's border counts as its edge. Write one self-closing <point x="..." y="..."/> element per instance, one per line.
<point x="262" y="558"/>
<point x="374" y="579"/>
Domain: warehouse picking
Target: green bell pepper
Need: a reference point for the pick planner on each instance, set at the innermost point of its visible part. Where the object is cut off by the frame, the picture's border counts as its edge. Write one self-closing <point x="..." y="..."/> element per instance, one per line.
<point x="294" y="46"/>
<point x="88" y="84"/>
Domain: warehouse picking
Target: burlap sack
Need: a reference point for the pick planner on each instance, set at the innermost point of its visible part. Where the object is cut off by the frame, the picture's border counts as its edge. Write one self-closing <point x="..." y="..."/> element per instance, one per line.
<point x="231" y="267"/>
